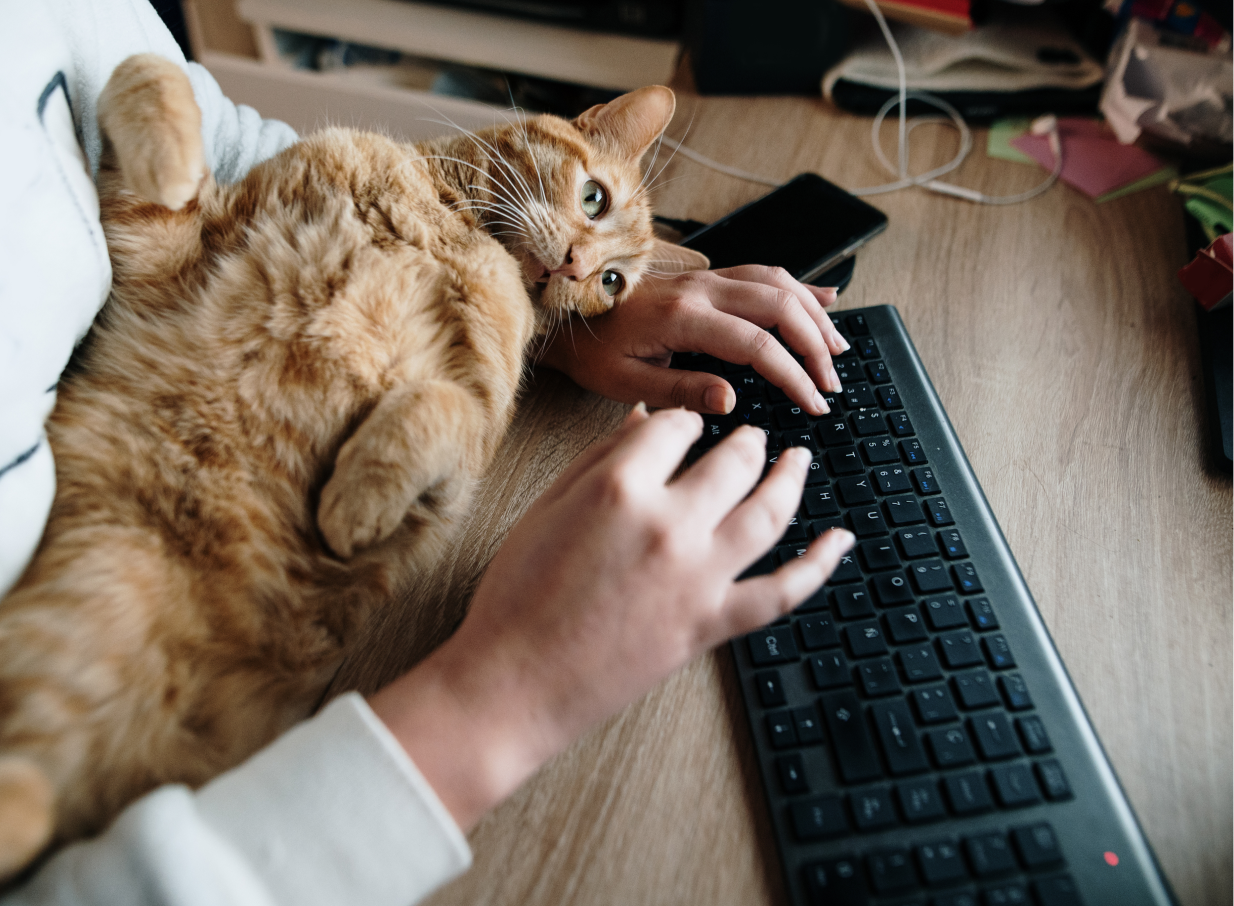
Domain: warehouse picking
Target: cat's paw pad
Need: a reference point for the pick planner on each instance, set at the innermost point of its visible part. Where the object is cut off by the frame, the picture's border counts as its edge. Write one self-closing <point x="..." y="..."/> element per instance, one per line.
<point x="352" y="518"/>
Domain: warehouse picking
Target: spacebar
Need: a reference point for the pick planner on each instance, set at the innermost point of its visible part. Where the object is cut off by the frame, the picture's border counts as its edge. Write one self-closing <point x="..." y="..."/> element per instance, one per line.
<point x="850" y="740"/>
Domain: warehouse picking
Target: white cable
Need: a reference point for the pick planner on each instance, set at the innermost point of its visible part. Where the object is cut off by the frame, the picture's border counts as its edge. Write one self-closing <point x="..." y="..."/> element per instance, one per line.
<point x="1045" y="125"/>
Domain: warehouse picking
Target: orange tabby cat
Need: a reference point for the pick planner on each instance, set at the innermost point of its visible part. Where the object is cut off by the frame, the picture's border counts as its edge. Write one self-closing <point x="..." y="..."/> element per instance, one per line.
<point x="277" y="418"/>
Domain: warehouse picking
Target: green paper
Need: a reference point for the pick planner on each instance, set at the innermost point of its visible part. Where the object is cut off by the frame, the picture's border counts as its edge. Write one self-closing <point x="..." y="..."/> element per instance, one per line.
<point x="1165" y="174"/>
<point x="1002" y="132"/>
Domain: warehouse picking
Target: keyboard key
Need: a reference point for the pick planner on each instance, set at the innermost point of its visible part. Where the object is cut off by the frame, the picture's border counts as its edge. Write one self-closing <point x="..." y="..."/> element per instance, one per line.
<point x="800" y="437"/>
<point x="1037" y="846"/>
<point x="866" y="348"/>
<point x="795" y="533"/>
<point x="891" y="871"/>
<point x="857" y="325"/>
<point x="925" y="481"/>
<point x="846" y="572"/>
<point x="869" y="422"/>
<point x="940" y="513"/>
<point x="998" y="652"/>
<point x="770" y="688"/>
<point x="952" y="545"/>
<point x="850" y="741"/>
<point x="989" y="854"/>
<point x="940" y="863"/>
<point x="1015" y="692"/>
<point x="834" y="433"/>
<point x="715" y="429"/>
<point x="964" y="898"/>
<point x="837" y="882"/>
<point x="855" y="491"/>
<point x="891" y="480"/>
<point x="1014" y="785"/>
<point x="974" y="690"/>
<point x="982" y="614"/>
<point x="901" y="747"/>
<point x="830" y="670"/>
<point x="878" y="678"/>
<point x="792" y="771"/>
<point x="888" y="397"/>
<point x="859" y="396"/>
<point x="751" y="412"/>
<point x="852" y="603"/>
<point x="950" y="748"/>
<point x="818" y="819"/>
<point x="818" y="632"/>
<point x="915" y="543"/>
<point x="809" y="730"/>
<point x="1033" y="735"/>
<point x="933" y="705"/>
<point x="891" y="589"/>
<point x="912" y="452"/>
<point x="967" y="793"/>
<point x="905" y="511"/>
<point x="790" y="417"/>
<point x="900" y="424"/>
<point x="904" y="625"/>
<point x="1057" y="892"/>
<point x="1053" y="780"/>
<point x="959" y="649"/>
<point x="919" y="663"/>
<point x="819" y="501"/>
<point x="930" y="576"/>
<point x="920" y="801"/>
<point x="844" y="461"/>
<point x="867" y="522"/>
<point x="878" y="372"/>
<point x="772" y="645"/>
<point x="781" y="730"/>
<point x="995" y="741"/>
<point x="1005" y="895"/>
<point x="879" y="450"/>
<point x="872" y="809"/>
<point x="880" y="554"/>
<point x="966" y="578"/>
<point x="944" y="612"/>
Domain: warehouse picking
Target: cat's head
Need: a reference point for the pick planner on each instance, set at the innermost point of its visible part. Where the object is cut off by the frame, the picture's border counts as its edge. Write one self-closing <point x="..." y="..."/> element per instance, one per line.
<point x="571" y="202"/>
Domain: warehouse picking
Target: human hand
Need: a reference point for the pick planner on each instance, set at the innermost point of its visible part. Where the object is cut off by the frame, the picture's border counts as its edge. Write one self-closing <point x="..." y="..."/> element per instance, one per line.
<point x="614" y="579"/>
<point x="624" y="354"/>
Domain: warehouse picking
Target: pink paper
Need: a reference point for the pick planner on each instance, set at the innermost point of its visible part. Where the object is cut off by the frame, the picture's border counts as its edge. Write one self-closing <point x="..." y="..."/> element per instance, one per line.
<point x="1093" y="160"/>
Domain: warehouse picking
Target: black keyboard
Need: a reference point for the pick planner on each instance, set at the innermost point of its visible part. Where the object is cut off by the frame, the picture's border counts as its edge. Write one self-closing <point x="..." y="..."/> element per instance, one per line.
<point x="918" y="737"/>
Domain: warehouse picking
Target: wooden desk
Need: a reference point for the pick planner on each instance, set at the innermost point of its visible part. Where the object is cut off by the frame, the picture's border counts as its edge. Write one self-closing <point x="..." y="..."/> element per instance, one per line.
<point x="1066" y="355"/>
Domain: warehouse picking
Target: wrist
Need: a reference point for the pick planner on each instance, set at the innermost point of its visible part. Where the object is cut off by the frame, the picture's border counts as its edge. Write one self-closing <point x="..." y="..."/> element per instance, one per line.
<point x="466" y="729"/>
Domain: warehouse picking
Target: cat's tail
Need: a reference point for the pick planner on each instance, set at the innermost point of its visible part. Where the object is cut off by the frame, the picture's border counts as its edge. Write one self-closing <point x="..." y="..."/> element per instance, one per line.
<point x="27" y="813"/>
<point x="149" y="115"/>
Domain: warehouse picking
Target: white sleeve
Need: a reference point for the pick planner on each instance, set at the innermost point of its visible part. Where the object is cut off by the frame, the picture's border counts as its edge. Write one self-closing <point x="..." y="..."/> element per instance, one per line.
<point x="236" y="137"/>
<point x="332" y="812"/>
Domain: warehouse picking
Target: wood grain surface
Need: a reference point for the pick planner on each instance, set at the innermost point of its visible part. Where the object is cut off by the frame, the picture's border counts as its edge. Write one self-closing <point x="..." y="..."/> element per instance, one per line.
<point x="1066" y="355"/>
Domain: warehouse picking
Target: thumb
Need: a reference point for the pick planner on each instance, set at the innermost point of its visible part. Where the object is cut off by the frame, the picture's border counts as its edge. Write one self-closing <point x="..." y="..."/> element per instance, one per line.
<point x="669" y="387"/>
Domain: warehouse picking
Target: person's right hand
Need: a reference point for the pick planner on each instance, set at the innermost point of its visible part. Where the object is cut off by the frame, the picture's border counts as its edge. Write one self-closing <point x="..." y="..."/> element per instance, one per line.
<point x="614" y="579"/>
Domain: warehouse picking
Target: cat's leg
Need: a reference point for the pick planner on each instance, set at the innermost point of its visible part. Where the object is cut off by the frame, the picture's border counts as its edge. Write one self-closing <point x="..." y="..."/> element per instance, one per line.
<point x="27" y="813"/>
<point x="416" y="454"/>
<point x="148" y="114"/>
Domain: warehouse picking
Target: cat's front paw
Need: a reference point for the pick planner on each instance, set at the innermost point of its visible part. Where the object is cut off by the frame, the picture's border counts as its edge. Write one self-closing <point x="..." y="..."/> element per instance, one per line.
<point x="353" y="517"/>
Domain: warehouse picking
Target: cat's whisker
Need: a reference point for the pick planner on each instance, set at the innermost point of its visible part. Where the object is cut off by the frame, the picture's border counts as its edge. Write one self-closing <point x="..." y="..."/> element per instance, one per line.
<point x="677" y="144"/>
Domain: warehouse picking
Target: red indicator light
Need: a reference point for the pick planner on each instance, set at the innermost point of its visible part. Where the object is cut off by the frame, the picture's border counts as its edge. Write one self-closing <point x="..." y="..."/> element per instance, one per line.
<point x="1111" y="859"/>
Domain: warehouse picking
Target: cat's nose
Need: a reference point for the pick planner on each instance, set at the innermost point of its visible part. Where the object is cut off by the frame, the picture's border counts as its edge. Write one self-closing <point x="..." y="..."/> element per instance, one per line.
<point x="571" y="267"/>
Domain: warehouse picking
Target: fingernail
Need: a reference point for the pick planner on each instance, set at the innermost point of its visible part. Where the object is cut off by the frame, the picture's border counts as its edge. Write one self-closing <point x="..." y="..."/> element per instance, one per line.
<point x="716" y="399"/>
<point x="835" y="381"/>
<point x="845" y="346"/>
<point x="640" y="408"/>
<point x="821" y="403"/>
<point x="802" y="456"/>
<point x="846" y="538"/>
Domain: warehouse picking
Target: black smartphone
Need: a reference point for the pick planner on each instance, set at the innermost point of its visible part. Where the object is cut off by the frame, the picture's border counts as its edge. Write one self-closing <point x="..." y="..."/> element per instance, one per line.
<point x="807" y="226"/>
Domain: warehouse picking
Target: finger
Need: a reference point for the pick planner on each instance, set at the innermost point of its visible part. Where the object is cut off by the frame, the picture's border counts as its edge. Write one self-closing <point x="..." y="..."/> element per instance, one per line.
<point x="756" y="602"/>
<point x="826" y="297"/>
<point x="594" y="453"/>
<point x="724" y="476"/>
<point x="741" y="341"/>
<point x="813" y="301"/>
<point x="651" y="451"/>
<point x="752" y="527"/>
<point x="673" y="388"/>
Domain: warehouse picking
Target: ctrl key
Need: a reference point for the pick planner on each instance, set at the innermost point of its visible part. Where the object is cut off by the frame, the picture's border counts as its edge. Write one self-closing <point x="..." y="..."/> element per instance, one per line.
<point x="818" y="818"/>
<point x="773" y="645"/>
<point x="835" y="883"/>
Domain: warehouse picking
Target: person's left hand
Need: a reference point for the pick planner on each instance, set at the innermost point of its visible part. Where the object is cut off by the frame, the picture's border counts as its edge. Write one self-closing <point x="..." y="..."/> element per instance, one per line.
<point x="624" y="354"/>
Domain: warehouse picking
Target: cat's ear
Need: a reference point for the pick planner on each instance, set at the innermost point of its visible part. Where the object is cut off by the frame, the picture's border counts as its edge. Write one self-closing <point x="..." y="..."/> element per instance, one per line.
<point x="676" y="259"/>
<point x="629" y="124"/>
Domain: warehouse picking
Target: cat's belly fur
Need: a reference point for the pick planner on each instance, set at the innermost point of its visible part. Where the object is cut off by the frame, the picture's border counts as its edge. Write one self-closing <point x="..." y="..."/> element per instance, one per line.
<point x="184" y="607"/>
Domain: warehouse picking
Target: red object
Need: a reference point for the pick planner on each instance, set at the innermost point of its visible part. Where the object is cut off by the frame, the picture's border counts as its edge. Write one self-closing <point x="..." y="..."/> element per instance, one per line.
<point x="1111" y="859"/>
<point x="1210" y="277"/>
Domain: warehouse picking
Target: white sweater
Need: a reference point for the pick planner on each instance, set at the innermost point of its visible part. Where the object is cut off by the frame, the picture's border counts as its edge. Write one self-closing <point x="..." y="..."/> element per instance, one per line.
<point x="334" y="812"/>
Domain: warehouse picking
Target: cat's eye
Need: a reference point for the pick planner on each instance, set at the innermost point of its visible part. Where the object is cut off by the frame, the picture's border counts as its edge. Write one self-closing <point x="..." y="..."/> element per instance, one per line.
<point x="594" y="200"/>
<point x="612" y="282"/>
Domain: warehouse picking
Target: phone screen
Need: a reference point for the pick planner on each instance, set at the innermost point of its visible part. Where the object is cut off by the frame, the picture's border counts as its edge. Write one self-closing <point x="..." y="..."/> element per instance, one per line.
<point x="805" y="227"/>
